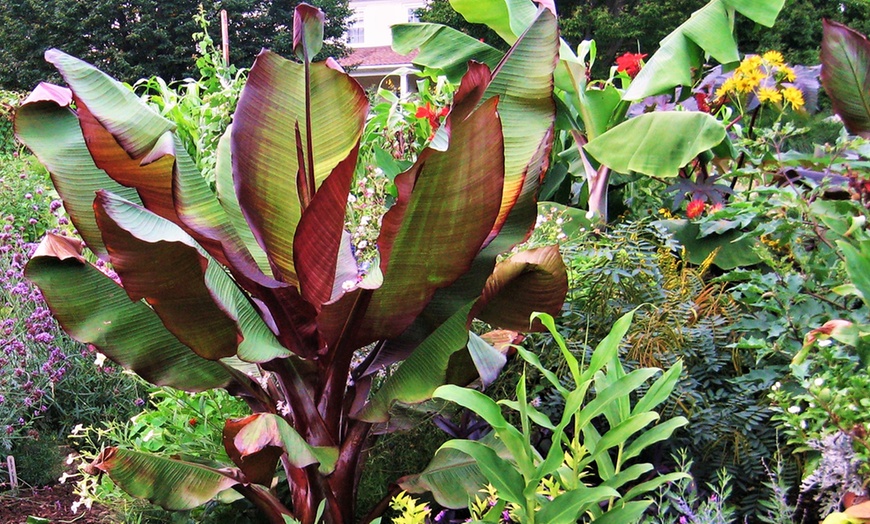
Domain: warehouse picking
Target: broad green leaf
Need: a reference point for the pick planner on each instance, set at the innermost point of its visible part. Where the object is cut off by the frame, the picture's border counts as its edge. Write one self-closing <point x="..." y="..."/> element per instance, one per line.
<point x="442" y="49"/>
<point x="660" y="390"/>
<point x="763" y="12"/>
<point x="657" y="144"/>
<point x="621" y="433"/>
<point x="569" y="506"/>
<point x="420" y="374"/>
<point x="489" y="411"/>
<point x="508" y="18"/>
<point x="263" y="430"/>
<point x="93" y="309"/>
<point x="734" y="249"/>
<point x="846" y="75"/>
<point x="452" y="476"/>
<point x="652" y="485"/>
<point x="280" y="120"/>
<point x="171" y="484"/>
<point x="46" y="125"/>
<point x="622" y="388"/>
<point x="534" y="280"/>
<point x="858" y="268"/>
<point x="608" y="348"/>
<point x="498" y="471"/>
<point x="627" y="475"/>
<point x="658" y="433"/>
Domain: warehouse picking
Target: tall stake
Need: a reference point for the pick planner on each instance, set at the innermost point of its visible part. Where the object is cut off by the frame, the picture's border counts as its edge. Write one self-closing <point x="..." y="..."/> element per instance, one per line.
<point x="225" y="36"/>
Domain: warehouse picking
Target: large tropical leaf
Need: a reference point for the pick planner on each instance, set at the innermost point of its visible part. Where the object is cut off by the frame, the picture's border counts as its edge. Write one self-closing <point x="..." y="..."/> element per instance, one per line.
<point x="159" y="262"/>
<point x="846" y="75"/>
<point x="657" y="144"/>
<point x="529" y="281"/>
<point x="442" y="49"/>
<point x="508" y="18"/>
<point x="523" y="82"/>
<point x="171" y="484"/>
<point x="46" y="124"/>
<point x="294" y="124"/>
<point x="445" y="211"/>
<point x="93" y="309"/>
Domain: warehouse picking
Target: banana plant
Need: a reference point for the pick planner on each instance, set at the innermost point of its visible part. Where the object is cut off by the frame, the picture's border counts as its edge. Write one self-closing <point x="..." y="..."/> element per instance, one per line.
<point x="254" y="288"/>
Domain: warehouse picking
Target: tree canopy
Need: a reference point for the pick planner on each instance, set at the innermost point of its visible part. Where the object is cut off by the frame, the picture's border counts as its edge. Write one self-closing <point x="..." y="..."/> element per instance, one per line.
<point x="141" y="38"/>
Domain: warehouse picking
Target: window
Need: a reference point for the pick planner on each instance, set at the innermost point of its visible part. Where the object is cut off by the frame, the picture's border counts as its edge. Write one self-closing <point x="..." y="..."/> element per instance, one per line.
<point x="356" y="31"/>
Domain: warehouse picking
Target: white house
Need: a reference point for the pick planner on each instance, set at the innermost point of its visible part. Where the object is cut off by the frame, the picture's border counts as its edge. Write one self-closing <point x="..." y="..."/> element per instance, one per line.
<point x="369" y="36"/>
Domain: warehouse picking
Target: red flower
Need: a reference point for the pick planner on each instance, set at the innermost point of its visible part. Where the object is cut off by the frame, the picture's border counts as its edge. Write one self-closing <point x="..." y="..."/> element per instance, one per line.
<point x="703" y="102"/>
<point x="429" y="112"/>
<point x="193" y="422"/>
<point x="695" y="208"/>
<point x="630" y="63"/>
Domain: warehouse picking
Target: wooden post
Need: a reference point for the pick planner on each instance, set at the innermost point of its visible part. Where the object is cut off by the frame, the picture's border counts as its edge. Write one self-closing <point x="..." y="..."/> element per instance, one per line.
<point x="13" y="474"/>
<point x="225" y="36"/>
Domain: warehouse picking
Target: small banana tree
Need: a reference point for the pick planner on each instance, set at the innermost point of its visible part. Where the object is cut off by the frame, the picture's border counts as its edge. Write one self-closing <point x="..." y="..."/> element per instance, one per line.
<point x="255" y="288"/>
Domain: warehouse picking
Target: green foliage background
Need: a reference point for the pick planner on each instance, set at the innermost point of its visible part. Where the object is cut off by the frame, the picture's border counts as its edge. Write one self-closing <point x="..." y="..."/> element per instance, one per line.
<point x="142" y="38"/>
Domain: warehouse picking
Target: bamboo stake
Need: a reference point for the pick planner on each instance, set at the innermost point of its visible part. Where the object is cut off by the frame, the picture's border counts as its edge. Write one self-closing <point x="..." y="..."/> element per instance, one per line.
<point x="225" y="36"/>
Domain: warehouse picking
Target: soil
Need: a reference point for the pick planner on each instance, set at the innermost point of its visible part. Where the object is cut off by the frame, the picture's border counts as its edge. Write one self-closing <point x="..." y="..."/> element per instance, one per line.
<point x="52" y="503"/>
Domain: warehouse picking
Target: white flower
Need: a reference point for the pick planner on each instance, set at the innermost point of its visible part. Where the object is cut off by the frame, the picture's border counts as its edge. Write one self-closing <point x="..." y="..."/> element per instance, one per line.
<point x="365" y="220"/>
<point x="362" y="244"/>
<point x="282" y="408"/>
<point x="149" y="436"/>
<point x="99" y="360"/>
<point x="63" y="477"/>
<point x="776" y="386"/>
<point x="540" y="220"/>
<point x="351" y="198"/>
<point x="825" y="343"/>
<point x="78" y="428"/>
<point x="263" y="381"/>
<point x="70" y="458"/>
<point x="348" y="285"/>
<point x="803" y="424"/>
<point x="819" y="381"/>
<point x="559" y="221"/>
<point x="794" y="409"/>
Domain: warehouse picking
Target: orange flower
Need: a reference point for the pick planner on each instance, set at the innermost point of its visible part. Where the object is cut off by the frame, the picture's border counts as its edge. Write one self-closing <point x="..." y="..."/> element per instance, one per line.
<point x="630" y="63"/>
<point x="432" y="114"/>
<point x="193" y="422"/>
<point x="695" y="208"/>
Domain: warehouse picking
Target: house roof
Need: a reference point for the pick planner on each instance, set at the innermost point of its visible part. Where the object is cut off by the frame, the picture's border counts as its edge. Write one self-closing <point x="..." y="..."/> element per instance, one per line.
<point x="376" y="56"/>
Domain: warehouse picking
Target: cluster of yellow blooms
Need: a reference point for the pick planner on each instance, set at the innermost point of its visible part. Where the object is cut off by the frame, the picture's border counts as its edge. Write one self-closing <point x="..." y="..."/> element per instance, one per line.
<point x="764" y="75"/>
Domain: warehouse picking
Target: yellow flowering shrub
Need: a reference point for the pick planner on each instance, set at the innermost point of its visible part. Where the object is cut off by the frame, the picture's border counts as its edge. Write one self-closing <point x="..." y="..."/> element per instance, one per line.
<point x="764" y="76"/>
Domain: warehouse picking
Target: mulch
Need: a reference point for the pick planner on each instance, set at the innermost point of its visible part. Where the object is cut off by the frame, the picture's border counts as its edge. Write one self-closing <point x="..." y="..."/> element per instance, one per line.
<point x="50" y="502"/>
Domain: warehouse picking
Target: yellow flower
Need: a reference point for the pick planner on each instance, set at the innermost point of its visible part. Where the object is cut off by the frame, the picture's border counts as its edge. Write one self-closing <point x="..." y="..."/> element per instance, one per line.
<point x="750" y="63"/>
<point x="769" y="94"/>
<point x="793" y="96"/>
<point x="787" y="73"/>
<point x="726" y="87"/>
<point x="773" y="58"/>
